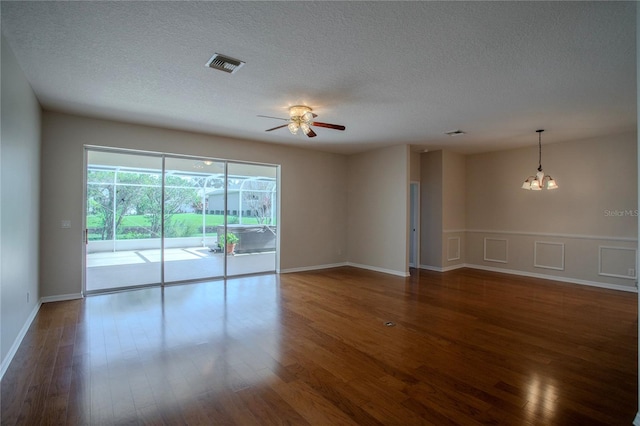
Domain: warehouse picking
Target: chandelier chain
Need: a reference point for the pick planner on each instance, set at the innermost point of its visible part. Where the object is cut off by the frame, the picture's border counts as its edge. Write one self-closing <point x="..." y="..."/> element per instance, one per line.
<point x="539" y="149"/>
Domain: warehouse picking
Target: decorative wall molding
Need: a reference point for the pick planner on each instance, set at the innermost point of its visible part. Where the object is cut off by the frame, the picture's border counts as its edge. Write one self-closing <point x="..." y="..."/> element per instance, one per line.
<point x="493" y="250"/>
<point x="453" y="248"/>
<point x="623" y="267"/>
<point x="454" y="231"/>
<point x="553" y="250"/>
<point x="551" y="235"/>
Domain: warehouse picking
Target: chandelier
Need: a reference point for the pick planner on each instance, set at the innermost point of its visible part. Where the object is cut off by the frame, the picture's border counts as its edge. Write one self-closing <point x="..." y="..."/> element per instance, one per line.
<point x="540" y="180"/>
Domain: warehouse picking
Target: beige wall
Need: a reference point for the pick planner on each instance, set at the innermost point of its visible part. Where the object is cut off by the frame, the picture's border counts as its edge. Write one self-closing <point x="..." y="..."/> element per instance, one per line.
<point x="581" y="232"/>
<point x="594" y="176"/>
<point x="378" y="210"/>
<point x="431" y="186"/>
<point x="454" y="209"/>
<point x="414" y="166"/>
<point x="475" y="214"/>
<point x="313" y="192"/>
<point x="443" y="210"/>
<point x="19" y="205"/>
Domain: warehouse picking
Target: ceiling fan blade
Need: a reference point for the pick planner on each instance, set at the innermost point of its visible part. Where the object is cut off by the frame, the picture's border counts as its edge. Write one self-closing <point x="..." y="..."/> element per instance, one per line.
<point x="328" y="126"/>
<point x="311" y="133"/>
<point x="276" y="128"/>
<point x="275" y="118"/>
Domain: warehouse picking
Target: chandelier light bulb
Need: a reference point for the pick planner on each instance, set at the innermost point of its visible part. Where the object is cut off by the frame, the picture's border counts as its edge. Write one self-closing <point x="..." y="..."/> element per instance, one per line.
<point x="305" y="128"/>
<point x="307" y="117"/>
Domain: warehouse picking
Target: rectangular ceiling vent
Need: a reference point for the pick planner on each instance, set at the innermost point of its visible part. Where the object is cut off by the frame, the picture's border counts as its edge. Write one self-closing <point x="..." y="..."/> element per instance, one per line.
<point x="224" y="63"/>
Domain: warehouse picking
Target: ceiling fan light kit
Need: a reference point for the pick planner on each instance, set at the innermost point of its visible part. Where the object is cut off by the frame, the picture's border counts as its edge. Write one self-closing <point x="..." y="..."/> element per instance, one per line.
<point x="540" y="181"/>
<point x="301" y="118"/>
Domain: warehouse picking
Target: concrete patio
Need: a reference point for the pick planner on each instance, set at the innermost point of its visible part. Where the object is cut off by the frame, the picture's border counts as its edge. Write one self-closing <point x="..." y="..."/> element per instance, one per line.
<point x="122" y="269"/>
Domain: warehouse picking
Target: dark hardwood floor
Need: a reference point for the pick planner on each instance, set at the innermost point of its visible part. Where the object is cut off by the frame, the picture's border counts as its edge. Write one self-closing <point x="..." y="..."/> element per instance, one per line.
<point x="468" y="347"/>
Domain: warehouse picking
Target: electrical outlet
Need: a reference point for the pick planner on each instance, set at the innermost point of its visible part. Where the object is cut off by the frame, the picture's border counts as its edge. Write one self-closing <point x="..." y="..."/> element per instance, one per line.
<point x="65" y="224"/>
<point x="631" y="272"/>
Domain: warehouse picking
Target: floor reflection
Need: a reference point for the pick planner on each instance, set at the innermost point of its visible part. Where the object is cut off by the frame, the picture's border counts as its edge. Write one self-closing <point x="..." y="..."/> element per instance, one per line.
<point x="542" y="396"/>
<point x="155" y="345"/>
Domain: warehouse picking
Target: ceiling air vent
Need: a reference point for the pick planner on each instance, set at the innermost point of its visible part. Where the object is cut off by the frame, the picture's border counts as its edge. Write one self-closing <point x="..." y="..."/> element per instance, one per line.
<point x="455" y="133"/>
<point x="224" y="63"/>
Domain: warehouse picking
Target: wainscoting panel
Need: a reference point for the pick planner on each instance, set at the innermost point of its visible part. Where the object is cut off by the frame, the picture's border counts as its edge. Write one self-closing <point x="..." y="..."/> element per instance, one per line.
<point x="496" y="250"/>
<point x="453" y="248"/>
<point x="619" y="262"/>
<point x="605" y="261"/>
<point x="548" y="255"/>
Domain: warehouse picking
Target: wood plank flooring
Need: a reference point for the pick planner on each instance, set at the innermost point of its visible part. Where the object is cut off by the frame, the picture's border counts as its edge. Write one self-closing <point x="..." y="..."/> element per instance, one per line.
<point x="468" y="347"/>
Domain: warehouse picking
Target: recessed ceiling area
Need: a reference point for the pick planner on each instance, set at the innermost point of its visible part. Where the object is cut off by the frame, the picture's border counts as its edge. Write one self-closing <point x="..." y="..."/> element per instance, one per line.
<point x="391" y="72"/>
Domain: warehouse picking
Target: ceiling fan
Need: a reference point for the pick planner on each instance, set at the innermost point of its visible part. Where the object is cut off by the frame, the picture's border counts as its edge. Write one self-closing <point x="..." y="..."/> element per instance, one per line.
<point x="302" y="118"/>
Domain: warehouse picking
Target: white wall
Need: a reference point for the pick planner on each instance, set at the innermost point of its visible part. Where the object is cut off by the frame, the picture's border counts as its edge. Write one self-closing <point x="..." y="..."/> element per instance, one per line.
<point x="378" y="210"/>
<point x="585" y="231"/>
<point x="19" y="205"/>
<point x="313" y="192"/>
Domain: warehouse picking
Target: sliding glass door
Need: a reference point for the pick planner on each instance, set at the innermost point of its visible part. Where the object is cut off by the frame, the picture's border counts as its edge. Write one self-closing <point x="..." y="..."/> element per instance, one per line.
<point x="123" y="220"/>
<point x="155" y="219"/>
<point x="251" y="218"/>
<point x="190" y="244"/>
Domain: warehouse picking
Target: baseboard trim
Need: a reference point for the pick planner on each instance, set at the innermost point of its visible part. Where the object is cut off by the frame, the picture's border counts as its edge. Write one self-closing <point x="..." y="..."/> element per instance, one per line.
<point x="445" y="269"/>
<point x="533" y="275"/>
<point x="16" y="343"/>
<point x="383" y="270"/>
<point x="312" y="268"/>
<point x="338" y="265"/>
<point x="555" y="278"/>
<point x="61" y="298"/>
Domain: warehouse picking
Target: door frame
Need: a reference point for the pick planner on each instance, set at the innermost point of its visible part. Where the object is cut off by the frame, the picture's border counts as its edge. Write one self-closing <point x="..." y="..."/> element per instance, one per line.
<point x="414" y="224"/>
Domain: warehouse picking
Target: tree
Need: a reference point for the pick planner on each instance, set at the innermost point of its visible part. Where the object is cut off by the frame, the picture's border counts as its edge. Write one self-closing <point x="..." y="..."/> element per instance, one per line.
<point x="136" y="193"/>
<point x="100" y="194"/>
<point x="256" y="195"/>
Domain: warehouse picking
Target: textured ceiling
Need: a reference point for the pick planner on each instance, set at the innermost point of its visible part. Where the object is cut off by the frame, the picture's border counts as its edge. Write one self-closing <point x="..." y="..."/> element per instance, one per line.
<point x="391" y="72"/>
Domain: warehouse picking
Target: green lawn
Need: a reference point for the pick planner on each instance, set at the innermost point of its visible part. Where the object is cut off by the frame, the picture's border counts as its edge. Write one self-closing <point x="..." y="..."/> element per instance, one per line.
<point x="188" y="219"/>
